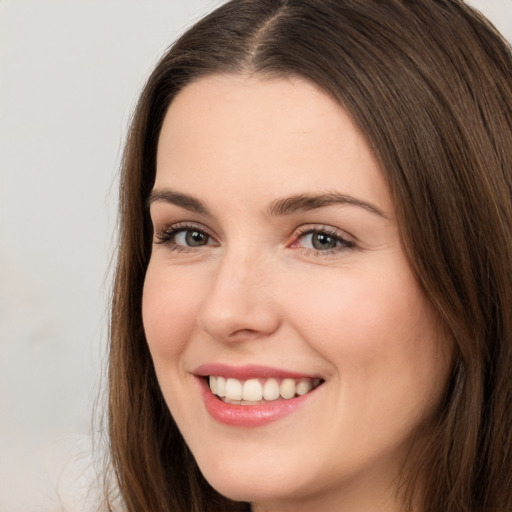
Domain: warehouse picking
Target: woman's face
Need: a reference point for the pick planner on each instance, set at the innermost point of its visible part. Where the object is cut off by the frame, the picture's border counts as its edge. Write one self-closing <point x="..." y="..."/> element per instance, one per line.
<point x="277" y="269"/>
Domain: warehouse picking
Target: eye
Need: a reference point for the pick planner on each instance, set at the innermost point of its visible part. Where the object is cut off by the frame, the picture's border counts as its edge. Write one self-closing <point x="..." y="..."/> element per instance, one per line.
<point x="191" y="238"/>
<point x="184" y="237"/>
<point x="322" y="240"/>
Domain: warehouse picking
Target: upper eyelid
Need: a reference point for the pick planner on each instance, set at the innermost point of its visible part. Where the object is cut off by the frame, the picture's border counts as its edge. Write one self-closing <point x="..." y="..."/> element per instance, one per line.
<point x="181" y="225"/>
<point x="165" y="214"/>
<point x="178" y="227"/>
<point x="341" y="233"/>
<point x="162" y="218"/>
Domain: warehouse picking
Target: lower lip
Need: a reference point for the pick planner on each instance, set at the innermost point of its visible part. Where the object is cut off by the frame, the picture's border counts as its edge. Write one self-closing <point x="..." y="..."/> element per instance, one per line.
<point x="249" y="415"/>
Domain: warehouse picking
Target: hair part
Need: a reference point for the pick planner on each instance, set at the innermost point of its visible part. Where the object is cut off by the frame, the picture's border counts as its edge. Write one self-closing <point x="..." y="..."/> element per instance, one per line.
<point x="429" y="84"/>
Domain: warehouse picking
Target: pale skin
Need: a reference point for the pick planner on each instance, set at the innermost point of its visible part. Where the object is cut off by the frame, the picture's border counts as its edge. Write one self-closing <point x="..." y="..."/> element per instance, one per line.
<point x="321" y="286"/>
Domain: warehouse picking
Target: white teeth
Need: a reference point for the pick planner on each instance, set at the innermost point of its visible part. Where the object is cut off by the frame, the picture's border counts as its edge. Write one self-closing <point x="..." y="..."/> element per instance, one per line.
<point x="253" y="391"/>
<point x="213" y="384"/>
<point x="221" y="386"/>
<point x="233" y="389"/>
<point x="271" y="389"/>
<point x="287" y="388"/>
<point x="303" y="387"/>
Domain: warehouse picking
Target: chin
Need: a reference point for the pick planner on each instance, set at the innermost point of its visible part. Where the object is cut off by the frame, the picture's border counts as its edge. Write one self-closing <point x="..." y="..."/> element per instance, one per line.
<point x="249" y="490"/>
<point x="253" y="483"/>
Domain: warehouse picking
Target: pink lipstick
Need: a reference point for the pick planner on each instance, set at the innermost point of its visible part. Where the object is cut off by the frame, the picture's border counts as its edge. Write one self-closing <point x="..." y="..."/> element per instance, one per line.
<point x="252" y="396"/>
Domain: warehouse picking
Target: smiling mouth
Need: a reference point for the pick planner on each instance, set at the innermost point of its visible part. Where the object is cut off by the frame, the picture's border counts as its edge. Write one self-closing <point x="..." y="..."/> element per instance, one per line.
<point x="259" y="391"/>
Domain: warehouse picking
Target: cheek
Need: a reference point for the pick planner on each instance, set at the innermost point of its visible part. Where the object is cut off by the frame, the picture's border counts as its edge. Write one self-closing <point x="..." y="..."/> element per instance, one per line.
<point x="357" y="311"/>
<point x="169" y="312"/>
<point x="380" y="335"/>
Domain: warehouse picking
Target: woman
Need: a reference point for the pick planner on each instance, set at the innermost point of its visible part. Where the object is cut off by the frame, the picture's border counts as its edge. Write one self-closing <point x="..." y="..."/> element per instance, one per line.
<point x="312" y="307"/>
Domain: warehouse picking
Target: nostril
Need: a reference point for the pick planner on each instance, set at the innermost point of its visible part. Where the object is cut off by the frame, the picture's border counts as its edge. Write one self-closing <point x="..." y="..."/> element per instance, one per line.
<point x="234" y="311"/>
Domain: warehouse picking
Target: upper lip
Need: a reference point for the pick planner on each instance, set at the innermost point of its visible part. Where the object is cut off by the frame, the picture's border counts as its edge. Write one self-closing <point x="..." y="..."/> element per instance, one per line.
<point x="248" y="372"/>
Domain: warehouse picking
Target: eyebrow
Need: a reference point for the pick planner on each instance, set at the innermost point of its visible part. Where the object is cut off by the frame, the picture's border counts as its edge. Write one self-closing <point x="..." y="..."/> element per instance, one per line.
<point x="278" y="207"/>
<point x="305" y="202"/>
<point x="179" y="199"/>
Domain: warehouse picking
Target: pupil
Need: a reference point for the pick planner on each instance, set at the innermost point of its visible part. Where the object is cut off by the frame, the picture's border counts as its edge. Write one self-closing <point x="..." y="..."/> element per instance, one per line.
<point x="195" y="238"/>
<point x="322" y="241"/>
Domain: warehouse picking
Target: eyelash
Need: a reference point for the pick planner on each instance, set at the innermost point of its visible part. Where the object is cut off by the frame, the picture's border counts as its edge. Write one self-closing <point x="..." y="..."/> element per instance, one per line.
<point x="167" y="235"/>
<point x="342" y="243"/>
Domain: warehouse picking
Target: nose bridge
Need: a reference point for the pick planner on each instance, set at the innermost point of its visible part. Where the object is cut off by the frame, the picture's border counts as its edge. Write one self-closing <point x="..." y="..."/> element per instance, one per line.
<point x="239" y="300"/>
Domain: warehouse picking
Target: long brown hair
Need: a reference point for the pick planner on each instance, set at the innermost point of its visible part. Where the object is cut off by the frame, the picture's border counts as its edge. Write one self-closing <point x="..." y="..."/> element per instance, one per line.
<point x="429" y="83"/>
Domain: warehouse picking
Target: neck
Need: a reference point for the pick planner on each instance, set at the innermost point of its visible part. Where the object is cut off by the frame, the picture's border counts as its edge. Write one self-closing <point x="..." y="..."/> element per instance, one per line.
<point x="374" y="496"/>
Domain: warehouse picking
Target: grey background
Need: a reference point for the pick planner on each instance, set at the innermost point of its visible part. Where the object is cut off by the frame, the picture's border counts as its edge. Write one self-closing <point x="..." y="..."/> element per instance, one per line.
<point x="70" y="72"/>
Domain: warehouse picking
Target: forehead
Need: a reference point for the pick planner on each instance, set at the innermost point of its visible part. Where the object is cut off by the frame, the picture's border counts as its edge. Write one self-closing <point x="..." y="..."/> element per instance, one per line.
<point x="264" y="136"/>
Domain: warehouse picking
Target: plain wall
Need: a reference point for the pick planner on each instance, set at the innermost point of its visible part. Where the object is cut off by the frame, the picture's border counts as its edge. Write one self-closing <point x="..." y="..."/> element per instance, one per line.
<point x="70" y="72"/>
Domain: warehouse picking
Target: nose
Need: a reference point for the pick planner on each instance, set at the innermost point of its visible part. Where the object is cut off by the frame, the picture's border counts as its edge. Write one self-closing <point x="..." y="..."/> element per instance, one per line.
<point x="240" y="302"/>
